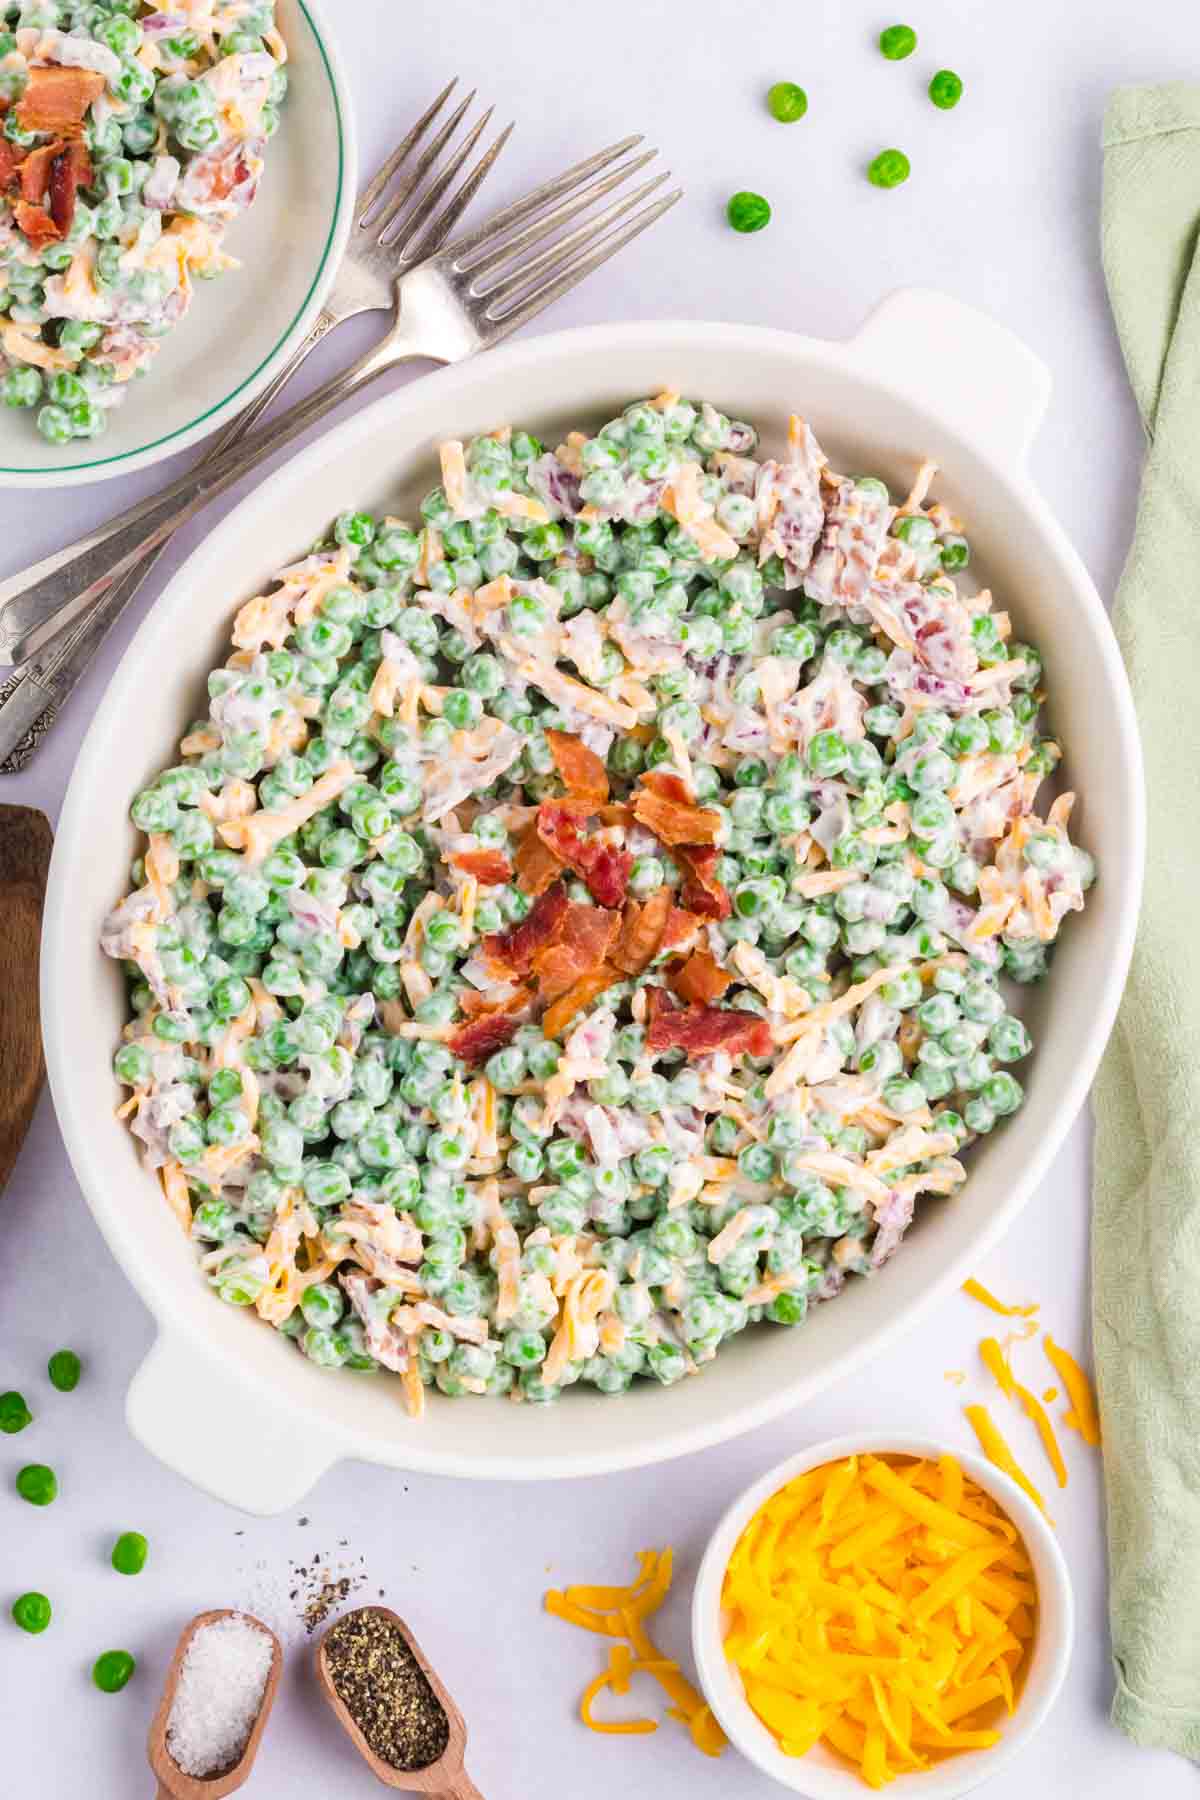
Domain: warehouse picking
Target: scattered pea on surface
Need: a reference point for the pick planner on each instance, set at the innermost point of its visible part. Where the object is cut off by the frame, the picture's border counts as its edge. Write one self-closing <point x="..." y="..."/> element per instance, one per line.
<point x="897" y="42"/>
<point x="14" y="1414"/>
<point x="111" y="1672"/>
<point x="748" y="212"/>
<point x="64" y="1369"/>
<point x="787" y="102"/>
<point x="31" y="1612"/>
<point x="945" y="90"/>
<point x="889" y="169"/>
<point x="37" y="1484"/>
<point x="129" y="1553"/>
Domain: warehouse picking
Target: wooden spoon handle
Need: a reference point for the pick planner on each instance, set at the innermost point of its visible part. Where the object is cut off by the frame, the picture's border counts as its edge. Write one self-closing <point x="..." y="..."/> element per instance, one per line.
<point x="461" y="1788"/>
<point x="25" y="845"/>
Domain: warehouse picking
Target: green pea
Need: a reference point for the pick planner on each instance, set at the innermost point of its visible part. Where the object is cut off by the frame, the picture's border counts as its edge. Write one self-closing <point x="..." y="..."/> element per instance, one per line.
<point x="14" y="1414"/>
<point x="747" y="211"/>
<point x="112" y="1671"/>
<point x="129" y="1553"/>
<point x="897" y="42"/>
<point x="31" y="1612"/>
<point x="946" y="88"/>
<point x="787" y="102"/>
<point x="64" y="1369"/>
<point x="889" y="169"/>
<point x="37" y="1484"/>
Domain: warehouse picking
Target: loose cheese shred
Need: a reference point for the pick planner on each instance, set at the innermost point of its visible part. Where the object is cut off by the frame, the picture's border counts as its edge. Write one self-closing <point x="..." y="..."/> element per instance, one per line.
<point x="621" y="1613"/>
<point x="1082" y="1417"/>
<point x="992" y="1444"/>
<point x="977" y="1291"/>
<point x="874" y="1605"/>
<point x="995" y="1361"/>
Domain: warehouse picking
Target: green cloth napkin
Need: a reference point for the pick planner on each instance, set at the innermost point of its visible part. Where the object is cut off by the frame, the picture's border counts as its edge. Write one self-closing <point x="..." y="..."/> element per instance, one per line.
<point x="1146" y="1230"/>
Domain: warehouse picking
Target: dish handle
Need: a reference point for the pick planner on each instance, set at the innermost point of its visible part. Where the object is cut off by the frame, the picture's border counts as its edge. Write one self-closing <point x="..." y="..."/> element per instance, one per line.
<point x="188" y="1412"/>
<point x="957" y="362"/>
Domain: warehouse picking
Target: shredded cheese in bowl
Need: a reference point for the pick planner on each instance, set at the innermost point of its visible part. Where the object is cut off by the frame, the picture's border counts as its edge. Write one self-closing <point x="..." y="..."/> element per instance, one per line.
<point x="864" y="1615"/>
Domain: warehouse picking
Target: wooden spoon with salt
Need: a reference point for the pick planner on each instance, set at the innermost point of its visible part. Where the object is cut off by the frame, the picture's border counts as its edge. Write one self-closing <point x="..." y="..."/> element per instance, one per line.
<point x="173" y="1784"/>
<point x="445" y="1779"/>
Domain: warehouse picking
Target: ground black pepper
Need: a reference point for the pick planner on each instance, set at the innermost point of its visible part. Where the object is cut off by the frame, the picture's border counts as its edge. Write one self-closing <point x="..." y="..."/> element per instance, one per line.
<point x="384" y="1688"/>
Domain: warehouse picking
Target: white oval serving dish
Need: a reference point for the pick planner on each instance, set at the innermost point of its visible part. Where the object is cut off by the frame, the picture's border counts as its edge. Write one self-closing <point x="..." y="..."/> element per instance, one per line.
<point x="821" y="1775"/>
<point x="231" y="1404"/>
<point x="243" y="328"/>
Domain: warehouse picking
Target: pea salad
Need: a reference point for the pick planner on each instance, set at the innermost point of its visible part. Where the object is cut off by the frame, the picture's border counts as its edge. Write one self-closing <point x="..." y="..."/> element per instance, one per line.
<point x="576" y="932"/>
<point x="132" y="138"/>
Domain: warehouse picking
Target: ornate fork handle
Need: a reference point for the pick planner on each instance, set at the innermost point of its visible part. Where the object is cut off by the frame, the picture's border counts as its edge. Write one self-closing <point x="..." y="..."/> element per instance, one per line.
<point x="39" y="602"/>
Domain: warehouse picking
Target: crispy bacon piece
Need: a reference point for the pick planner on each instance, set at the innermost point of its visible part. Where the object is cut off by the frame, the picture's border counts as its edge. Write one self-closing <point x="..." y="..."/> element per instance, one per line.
<point x="57" y="99"/>
<point x="601" y="867"/>
<point x="489" y="867"/>
<point x="475" y="1042"/>
<point x="702" y="1029"/>
<point x="537" y="865"/>
<point x="700" y="979"/>
<point x="584" y="937"/>
<point x="517" y="947"/>
<point x="642" y="932"/>
<point x="681" y="928"/>
<point x="68" y="174"/>
<point x="559" y="1016"/>
<point x="702" y="893"/>
<point x="673" y="821"/>
<point x="35" y="171"/>
<point x="36" y="223"/>
<point x="579" y="768"/>
<point x="10" y="163"/>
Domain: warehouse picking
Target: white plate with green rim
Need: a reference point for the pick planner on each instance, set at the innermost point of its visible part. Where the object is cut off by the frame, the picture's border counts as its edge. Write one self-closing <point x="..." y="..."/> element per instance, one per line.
<point x="242" y="328"/>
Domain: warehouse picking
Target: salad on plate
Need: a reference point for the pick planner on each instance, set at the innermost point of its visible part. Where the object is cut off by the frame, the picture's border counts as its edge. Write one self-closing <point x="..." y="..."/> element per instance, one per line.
<point x="132" y="137"/>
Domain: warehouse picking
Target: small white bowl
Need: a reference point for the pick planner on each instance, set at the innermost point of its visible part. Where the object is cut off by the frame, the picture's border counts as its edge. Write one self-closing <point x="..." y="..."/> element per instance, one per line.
<point x="820" y="1774"/>
<point x="241" y="330"/>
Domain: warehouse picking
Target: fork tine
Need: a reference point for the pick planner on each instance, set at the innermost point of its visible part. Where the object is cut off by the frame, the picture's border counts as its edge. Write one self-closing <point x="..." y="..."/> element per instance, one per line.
<point x="543" y="229"/>
<point x="521" y="210"/>
<point x="577" y="271"/>
<point x="411" y="182"/>
<point x="458" y="202"/>
<point x="558" y="254"/>
<point x="426" y="202"/>
<point x="372" y="192"/>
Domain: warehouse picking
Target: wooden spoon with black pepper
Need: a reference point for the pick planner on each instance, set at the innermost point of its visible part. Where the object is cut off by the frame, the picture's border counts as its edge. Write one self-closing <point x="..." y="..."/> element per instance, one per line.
<point x="393" y="1707"/>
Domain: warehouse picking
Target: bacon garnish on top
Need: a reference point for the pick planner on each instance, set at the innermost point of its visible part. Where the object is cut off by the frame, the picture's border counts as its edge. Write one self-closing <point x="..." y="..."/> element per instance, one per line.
<point x="581" y="943"/>
<point x="50" y="177"/>
<point x="702" y="892"/>
<point x="602" y="867"/>
<point x="642" y="932"/>
<point x="589" y="988"/>
<point x="700" y="1030"/>
<point x="701" y="978"/>
<point x="580" y="769"/>
<point x="536" y="864"/>
<point x="475" y="1042"/>
<point x="663" y="805"/>
<point x="516" y="948"/>
<point x="489" y="867"/>
<point x="56" y="99"/>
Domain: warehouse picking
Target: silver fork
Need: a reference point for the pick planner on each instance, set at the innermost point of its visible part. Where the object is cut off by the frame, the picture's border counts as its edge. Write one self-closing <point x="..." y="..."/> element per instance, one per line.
<point x="471" y="294"/>
<point x="401" y="200"/>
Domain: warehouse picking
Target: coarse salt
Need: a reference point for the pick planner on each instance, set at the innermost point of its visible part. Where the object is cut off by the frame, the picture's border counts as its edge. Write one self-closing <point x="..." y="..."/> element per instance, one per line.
<point x="219" y="1695"/>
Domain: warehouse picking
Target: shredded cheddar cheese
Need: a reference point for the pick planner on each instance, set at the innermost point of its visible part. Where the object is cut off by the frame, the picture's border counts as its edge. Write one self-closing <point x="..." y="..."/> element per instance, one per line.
<point x="996" y="1362"/>
<point x="621" y="1613"/>
<point x="873" y="1605"/>
<point x="977" y="1291"/>
<point x="1082" y="1417"/>
<point x="991" y="1442"/>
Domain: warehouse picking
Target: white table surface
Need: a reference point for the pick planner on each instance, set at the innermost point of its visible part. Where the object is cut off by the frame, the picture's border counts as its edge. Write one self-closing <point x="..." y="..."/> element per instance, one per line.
<point x="1002" y="210"/>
